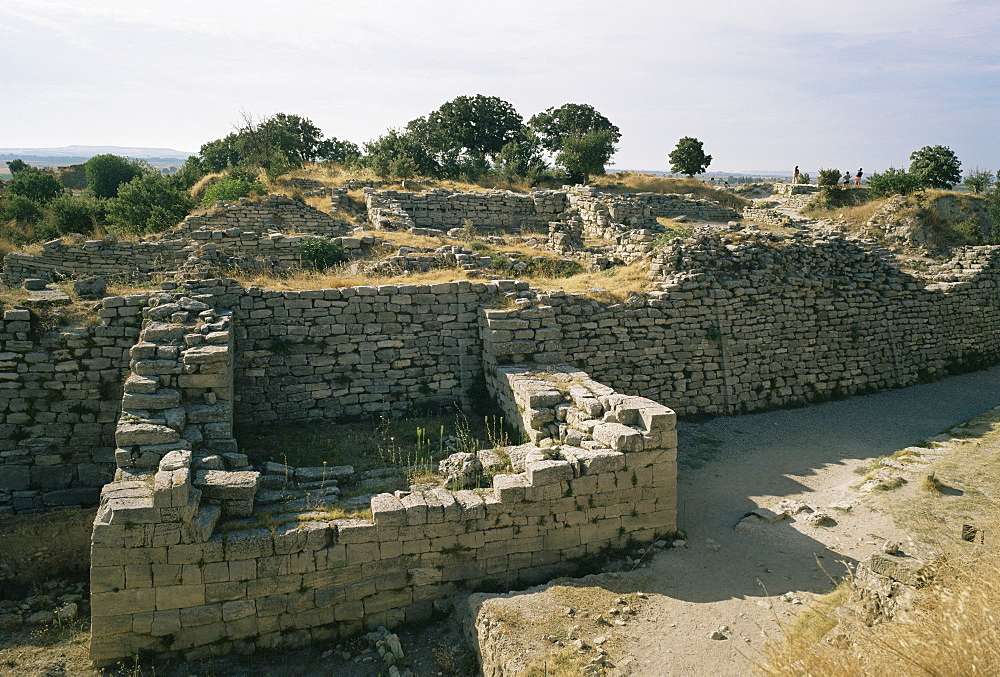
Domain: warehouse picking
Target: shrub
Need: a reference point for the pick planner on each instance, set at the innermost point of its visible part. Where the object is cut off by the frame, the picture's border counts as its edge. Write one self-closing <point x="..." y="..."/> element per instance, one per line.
<point x="107" y="173"/>
<point x="36" y="185"/>
<point x="829" y="177"/>
<point x="322" y="254"/>
<point x="979" y="180"/>
<point x="894" y="182"/>
<point x="68" y="214"/>
<point x="21" y="209"/>
<point x="148" y="204"/>
<point x="231" y="188"/>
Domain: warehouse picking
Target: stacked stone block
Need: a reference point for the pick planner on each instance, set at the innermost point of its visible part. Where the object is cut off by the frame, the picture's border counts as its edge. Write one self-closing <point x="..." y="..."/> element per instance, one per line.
<point x="179" y="393"/>
<point x="669" y="206"/>
<point x="274" y="212"/>
<point x="59" y="400"/>
<point x="442" y="209"/>
<point x="203" y="250"/>
<point x="161" y="580"/>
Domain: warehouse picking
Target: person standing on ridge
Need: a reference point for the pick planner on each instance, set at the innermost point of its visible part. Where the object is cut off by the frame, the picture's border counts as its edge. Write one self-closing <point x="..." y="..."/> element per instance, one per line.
<point x="847" y="179"/>
<point x="857" y="179"/>
<point x="795" y="175"/>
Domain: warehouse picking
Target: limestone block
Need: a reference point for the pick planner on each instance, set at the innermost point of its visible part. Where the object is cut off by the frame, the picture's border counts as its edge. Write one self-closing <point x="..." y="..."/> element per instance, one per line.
<point x="130" y="434"/>
<point x="209" y="413"/>
<point x="161" y="399"/>
<point x="336" y="473"/>
<point x="141" y="384"/>
<point x="509" y="488"/>
<point x="206" y="354"/>
<point x="387" y="510"/>
<point x="542" y="472"/>
<point x="617" y="436"/>
<point x="595" y="461"/>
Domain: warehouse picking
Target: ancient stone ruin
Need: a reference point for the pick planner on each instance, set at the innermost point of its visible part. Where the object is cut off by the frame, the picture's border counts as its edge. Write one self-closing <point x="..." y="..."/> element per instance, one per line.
<point x="196" y="550"/>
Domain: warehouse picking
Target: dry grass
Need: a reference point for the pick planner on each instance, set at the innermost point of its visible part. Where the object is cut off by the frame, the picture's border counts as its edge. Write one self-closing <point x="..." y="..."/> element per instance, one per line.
<point x="608" y="286"/>
<point x="952" y="631"/>
<point x="197" y="191"/>
<point x="638" y="182"/>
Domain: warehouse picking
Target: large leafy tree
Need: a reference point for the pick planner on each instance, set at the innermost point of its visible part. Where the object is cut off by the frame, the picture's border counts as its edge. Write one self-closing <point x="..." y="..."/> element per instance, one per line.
<point x="105" y="173"/>
<point x="689" y="157"/>
<point x="399" y="153"/>
<point x="17" y="165"/>
<point x="340" y="151"/>
<point x="36" y="185"/>
<point x="477" y="124"/>
<point x="555" y="125"/>
<point x="585" y="154"/>
<point x="219" y="154"/>
<point x="521" y="157"/>
<point x="937" y="166"/>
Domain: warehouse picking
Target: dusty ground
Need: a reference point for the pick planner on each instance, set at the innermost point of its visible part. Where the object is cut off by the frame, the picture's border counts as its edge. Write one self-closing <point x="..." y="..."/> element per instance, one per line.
<point x="732" y="465"/>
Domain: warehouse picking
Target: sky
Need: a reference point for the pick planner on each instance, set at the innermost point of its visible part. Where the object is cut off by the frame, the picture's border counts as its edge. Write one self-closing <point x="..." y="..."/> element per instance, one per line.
<point x="764" y="84"/>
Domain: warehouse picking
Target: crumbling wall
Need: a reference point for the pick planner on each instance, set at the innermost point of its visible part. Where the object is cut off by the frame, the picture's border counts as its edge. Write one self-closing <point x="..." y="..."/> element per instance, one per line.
<point x="274" y="212"/>
<point x="60" y="394"/>
<point x="140" y="260"/>
<point x="443" y="209"/>
<point x="765" y="323"/>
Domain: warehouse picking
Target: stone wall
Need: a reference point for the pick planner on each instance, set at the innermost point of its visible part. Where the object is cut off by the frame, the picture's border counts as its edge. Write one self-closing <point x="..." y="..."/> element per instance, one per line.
<point x="274" y="212"/>
<point x="756" y="323"/>
<point x="170" y="573"/>
<point x="333" y="353"/>
<point x="60" y="395"/>
<point x="442" y="209"/>
<point x="200" y="250"/>
<point x="668" y="205"/>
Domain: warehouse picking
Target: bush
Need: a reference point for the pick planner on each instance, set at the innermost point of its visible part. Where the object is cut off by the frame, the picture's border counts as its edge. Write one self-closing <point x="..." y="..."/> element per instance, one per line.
<point x="107" y="173"/>
<point x="322" y="254"/>
<point x="21" y="209"/>
<point x="231" y="188"/>
<point x="76" y="215"/>
<point x="894" y="182"/>
<point x="829" y="177"/>
<point x="38" y="186"/>
<point x="148" y="204"/>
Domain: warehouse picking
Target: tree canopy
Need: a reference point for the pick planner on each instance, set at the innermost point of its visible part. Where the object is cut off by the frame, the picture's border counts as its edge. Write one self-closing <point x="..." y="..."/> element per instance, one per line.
<point x="148" y="203"/>
<point x="555" y="125"/>
<point x="979" y="180"/>
<point x="937" y="166"/>
<point x="476" y="124"/>
<point x="689" y="157"/>
<point x="105" y="173"/>
<point x="17" y="165"/>
<point x="585" y="154"/>
<point x="36" y="185"/>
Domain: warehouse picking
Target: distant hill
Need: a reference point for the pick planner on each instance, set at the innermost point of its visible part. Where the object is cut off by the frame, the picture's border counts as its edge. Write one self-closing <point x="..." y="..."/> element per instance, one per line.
<point x="69" y="155"/>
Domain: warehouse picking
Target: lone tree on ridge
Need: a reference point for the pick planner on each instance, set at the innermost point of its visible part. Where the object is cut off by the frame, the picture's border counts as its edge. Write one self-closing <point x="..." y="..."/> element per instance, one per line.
<point x="937" y="166"/>
<point x="689" y="157"/>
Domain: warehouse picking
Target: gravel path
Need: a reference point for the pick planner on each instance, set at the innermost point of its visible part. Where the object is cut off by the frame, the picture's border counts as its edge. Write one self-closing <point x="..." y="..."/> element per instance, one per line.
<point x="729" y="466"/>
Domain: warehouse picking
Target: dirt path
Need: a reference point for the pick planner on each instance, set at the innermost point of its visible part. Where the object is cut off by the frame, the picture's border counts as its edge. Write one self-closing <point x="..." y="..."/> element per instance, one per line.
<point x="728" y="467"/>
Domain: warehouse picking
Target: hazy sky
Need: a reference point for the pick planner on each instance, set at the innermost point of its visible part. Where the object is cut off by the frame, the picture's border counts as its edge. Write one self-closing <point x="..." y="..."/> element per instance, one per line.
<point x="765" y="84"/>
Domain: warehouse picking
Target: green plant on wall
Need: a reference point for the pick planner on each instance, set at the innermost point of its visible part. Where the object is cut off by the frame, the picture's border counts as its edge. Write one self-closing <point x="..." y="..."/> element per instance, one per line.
<point x="322" y="254"/>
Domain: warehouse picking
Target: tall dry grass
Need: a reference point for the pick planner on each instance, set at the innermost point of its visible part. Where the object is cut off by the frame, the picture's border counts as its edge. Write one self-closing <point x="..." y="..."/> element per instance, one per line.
<point x="953" y="629"/>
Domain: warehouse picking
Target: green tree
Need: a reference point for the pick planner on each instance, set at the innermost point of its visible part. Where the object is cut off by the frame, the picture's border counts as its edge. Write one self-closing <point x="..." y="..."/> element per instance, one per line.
<point x="219" y="154"/>
<point x="340" y="151"/>
<point x="521" y="157"/>
<point x="147" y="204"/>
<point x="105" y="173"/>
<point x="381" y="153"/>
<point x="829" y="177"/>
<point x="478" y="125"/>
<point x="36" y="185"/>
<point x="17" y="166"/>
<point x="979" y="180"/>
<point x="894" y="182"/>
<point x="555" y="125"/>
<point x="188" y="174"/>
<point x="937" y="166"/>
<point x="21" y="209"/>
<point x="689" y="157"/>
<point x="585" y="154"/>
<point x="68" y="214"/>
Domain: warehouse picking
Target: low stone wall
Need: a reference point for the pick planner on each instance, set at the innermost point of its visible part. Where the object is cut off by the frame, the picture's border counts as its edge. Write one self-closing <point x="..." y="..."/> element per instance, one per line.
<point x="168" y="575"/>
<point x="442" y="209"/>
<point x="201" y="250"/>
<point x="60" y="394"/>
<point x="678" y="205"/>
<point x="274" y="212"/>
<point x="768" y="217"/>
